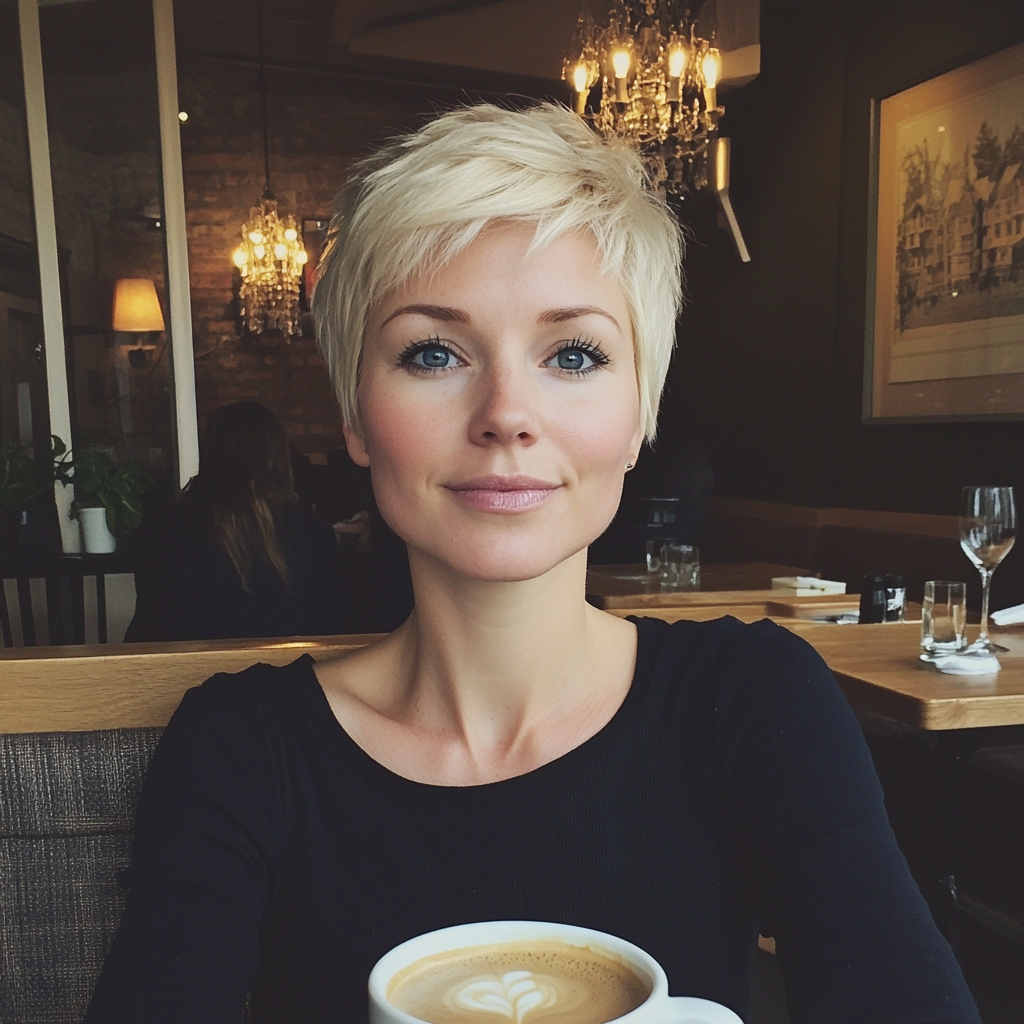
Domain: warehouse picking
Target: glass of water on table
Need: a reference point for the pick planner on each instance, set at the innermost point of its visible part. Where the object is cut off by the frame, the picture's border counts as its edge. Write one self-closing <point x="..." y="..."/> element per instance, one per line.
<point x="659" y="519"/>
<point x="988" y="528"/>
<point x="943" y="619"/>
<point x="671" y="564"/>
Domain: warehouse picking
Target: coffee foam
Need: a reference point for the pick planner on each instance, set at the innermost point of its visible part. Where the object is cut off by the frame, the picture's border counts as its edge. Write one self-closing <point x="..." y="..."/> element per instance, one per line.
<point x="527" y="982"/>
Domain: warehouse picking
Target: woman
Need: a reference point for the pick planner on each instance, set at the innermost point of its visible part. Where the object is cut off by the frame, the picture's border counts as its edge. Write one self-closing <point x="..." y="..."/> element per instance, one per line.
<point x="497" y="309"/>
<point x="236" y="557"/>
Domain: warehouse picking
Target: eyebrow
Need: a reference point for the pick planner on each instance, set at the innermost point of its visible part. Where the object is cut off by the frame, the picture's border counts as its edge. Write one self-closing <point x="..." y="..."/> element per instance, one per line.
<point x="557" y="316"/>
<point x="453" y="315"/>
<point x="447" y="314"/>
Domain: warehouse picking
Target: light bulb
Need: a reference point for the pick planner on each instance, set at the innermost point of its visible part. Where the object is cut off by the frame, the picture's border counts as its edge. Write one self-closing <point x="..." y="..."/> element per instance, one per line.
<point x="240" y="256"/>
<point x="182" y="116"/>
<point x="291" y="234"/>
<point x="258" y="250"/>
<point x="280" y="250"/>
<point x="301" y="257"/>
<point x="620" y="62"/>
<point x="256" y="237"/>
<point x="676" y="62"/>
<point x="579" y="77"/>
<point x="711" y="66"/>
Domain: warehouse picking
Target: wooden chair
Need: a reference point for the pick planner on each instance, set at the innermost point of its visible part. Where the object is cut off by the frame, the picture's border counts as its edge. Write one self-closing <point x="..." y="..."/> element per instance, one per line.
<point x="78" y="726"/>
<point x="65" y="596"/>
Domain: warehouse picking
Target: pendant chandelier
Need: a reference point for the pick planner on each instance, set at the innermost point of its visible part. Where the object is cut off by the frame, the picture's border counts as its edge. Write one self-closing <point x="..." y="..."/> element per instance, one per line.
<point x="271" y="257"/>
<point x="658" y="87"/>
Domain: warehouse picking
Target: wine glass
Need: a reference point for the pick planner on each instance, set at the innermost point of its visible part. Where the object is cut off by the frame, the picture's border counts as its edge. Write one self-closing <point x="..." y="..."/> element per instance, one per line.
<point x="988" y="527"/>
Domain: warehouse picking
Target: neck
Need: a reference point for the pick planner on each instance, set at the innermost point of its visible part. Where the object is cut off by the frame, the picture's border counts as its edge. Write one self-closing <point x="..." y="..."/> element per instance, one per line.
<point x="498" y="652"/>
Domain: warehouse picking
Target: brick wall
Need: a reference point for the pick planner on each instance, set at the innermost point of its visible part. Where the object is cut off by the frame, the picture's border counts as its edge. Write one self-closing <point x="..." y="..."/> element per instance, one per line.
<point x="318" y="125"/>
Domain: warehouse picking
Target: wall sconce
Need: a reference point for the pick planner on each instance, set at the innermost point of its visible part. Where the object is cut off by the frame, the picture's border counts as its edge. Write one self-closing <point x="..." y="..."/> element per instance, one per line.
<point x="136" y="307"/>
<point x="137" y="311"/>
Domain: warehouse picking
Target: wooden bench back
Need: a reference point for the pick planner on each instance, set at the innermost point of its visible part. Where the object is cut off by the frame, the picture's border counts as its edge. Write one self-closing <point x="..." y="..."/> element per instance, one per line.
<point x="846" y="544"/>
<point x="129" y="686"/>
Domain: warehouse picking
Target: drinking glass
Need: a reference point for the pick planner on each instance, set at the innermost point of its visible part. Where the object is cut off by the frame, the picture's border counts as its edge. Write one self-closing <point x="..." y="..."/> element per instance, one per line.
<point x="680" y="566"/>
<point x="657" y="519"/>
<point x="943" y="618"/>
<point x="988" y="527"/>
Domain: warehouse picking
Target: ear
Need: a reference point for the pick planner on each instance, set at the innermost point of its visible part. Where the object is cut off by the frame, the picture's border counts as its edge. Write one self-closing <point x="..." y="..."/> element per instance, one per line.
<point x="636" y="442"/>
<point x="355" y="445"/>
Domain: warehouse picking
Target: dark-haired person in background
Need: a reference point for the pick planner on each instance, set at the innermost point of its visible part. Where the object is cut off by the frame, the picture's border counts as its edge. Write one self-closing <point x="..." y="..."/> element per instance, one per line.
<point x="237" y="556"/>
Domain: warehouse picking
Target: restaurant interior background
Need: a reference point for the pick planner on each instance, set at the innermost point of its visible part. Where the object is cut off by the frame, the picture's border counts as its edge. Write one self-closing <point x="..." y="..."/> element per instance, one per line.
<point x="770" y="364"/>
<point x="769" y="371"/>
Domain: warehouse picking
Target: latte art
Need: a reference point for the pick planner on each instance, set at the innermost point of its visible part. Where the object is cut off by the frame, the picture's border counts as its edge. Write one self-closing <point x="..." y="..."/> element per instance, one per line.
<point x="544" y="981"/>
<point x="513" y="995"/>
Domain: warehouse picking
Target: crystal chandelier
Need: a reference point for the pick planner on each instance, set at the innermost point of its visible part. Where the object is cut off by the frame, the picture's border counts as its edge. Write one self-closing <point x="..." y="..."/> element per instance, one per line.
<point x="658" y="83"/>
<point x="271" y="257"/>
<point x="271" y="261"/>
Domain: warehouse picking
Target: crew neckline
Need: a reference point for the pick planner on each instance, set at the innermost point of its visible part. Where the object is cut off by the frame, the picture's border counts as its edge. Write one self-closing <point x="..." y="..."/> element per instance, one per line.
<point x="511" y="788"/>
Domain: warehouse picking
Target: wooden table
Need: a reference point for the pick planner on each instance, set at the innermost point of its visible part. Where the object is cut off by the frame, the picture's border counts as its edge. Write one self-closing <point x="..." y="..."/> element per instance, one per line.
<point x="628" y="586"/>
<point x="879" y="670"/>
<point x="742" y="589"/>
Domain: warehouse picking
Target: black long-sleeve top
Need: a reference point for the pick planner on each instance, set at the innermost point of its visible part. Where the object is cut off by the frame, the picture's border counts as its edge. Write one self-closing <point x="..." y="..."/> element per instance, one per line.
<point x="731" y="790"/>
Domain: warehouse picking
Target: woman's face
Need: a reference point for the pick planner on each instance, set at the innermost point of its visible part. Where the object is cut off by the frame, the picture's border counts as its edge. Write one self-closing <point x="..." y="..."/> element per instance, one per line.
<point x="499" y="405"/>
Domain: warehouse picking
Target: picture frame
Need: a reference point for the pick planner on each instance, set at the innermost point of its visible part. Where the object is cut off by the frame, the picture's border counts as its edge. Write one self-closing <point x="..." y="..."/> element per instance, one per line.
<point x="944" y="325"/>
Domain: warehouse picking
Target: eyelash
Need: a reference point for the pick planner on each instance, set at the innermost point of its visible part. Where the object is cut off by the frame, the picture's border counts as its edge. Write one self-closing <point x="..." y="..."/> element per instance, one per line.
<point x="408" y="354"/>
<point x="588" y="347"/>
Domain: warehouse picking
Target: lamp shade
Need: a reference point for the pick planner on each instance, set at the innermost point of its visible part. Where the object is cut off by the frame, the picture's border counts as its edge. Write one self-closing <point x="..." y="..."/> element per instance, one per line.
<point x="136" y="307"/>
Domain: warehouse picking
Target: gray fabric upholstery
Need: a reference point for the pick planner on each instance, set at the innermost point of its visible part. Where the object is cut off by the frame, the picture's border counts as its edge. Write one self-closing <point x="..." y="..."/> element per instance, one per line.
<point x="67" y="803"/>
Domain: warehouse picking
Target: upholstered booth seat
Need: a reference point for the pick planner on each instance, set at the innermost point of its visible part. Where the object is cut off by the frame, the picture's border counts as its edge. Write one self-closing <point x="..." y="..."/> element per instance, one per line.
<point x="78" y="727"/>
<point x="67" y="803"/>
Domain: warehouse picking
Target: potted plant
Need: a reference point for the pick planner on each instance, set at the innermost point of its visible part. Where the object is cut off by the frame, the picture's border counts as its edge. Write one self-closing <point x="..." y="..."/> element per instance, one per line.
<point x="108" y="498"/>
<point x="28" y="517"/>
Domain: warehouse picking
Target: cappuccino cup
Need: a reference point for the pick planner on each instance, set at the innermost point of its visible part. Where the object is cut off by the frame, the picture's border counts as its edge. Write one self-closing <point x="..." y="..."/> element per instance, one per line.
<point x="528" y="972"/>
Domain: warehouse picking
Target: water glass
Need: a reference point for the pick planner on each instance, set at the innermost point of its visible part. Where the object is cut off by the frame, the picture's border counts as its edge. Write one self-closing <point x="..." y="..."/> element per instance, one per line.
<point x="679" y="565"/>
<point x="658" y="520"/>
<point x="944" y="617"/>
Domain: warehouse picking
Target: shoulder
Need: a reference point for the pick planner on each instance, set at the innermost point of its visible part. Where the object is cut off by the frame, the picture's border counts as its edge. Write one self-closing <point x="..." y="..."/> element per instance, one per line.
<point x="741" y="671"/>
<point x="242" y="710"/>
<point x="725" y="643"/>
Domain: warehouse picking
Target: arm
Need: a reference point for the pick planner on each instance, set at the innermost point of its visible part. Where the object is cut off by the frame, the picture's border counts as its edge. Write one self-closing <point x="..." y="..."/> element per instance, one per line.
<point x="209" y="840"/>
<point x="804" y="810"/>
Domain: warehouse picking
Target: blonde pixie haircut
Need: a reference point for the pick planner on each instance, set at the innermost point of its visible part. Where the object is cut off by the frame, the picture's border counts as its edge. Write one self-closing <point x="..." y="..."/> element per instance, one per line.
<point x="424" y="197"/>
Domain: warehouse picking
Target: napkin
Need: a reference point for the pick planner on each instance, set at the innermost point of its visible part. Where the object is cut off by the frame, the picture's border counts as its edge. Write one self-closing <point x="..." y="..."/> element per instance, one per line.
<point x="965" y="664"/>
<point x="810" y="583"/>
<point x="1009" y="616"/>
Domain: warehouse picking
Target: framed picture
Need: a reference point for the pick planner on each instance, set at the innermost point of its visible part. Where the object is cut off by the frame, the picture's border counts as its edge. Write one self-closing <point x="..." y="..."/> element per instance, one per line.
<point x="945" y="311"/>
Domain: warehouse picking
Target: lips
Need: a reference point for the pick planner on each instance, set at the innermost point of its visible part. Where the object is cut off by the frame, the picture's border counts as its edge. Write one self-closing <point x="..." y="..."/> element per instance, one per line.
<point x="503" y="494"/>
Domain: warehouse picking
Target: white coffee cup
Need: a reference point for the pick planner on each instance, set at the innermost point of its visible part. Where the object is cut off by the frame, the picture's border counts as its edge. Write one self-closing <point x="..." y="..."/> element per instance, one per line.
<point x="658" y="1008"/>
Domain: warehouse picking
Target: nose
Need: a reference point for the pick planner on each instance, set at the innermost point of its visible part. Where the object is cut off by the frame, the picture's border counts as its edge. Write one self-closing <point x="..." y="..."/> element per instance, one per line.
<point x="505" y="410"/>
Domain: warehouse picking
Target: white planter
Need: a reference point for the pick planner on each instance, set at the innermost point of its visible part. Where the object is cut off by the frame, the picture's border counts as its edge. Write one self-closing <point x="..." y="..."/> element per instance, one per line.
<point x="98" y="540"/>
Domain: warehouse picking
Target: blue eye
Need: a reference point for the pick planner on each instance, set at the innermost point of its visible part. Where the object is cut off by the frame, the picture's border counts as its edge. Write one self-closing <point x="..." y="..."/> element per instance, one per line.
<point x="573" y="359"/>
<point x="428" y="356"/>
<point x="578" y="357"/>
<point x="433" y="358"/>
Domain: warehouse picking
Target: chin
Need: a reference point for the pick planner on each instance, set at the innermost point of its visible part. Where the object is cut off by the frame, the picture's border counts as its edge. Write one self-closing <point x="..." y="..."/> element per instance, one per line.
<point x="490" y="556"/>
